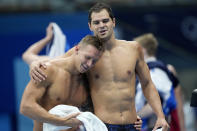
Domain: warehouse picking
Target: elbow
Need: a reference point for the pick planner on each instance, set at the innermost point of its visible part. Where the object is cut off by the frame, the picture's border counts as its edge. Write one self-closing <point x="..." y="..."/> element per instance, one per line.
<point x="148" y="85"/>
<point x="27" y="57"/>
<point x="24" y="56"/>
<point x="145" y="83"/>
<point x="24" y="108"/>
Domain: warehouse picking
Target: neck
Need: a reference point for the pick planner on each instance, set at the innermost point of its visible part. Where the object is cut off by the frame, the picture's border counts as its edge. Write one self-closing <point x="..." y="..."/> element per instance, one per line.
<point x="72" y="65"/>
<point x="109" y="44"/>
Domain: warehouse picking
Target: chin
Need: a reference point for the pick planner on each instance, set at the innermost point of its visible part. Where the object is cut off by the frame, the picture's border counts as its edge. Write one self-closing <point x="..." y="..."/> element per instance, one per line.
<point x="103" y="39"/>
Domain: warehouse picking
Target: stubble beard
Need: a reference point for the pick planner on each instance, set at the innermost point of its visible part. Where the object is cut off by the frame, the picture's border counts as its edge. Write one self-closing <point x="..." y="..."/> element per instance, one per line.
<point x="104" y="39"/>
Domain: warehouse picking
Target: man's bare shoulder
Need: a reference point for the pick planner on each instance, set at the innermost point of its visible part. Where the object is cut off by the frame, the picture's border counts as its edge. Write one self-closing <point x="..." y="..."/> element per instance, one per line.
<point x="50" y="68"/>
<point x="68" y="53"/>
<point x="134" y="47"/>
<point x="49" y="71"/>
<point x="54" y="69"/>
<point x="129" y="44"/>
<point x="59" y="66"/>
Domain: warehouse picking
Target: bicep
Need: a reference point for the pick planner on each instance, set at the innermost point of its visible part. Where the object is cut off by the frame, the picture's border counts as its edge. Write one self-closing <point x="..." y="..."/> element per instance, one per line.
<point x="33" y="92"/>
<point x="141" y="68"/>
<point x="41" y="58"/>
<point x="143" y="72"/>
<point x="29" y="57"/>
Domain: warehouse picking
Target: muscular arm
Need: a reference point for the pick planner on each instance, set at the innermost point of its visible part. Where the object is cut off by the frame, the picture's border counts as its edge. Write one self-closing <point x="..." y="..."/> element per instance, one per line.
<point x="163" y="85"/>
<point x="148" y="87"/>
<point x="31" y="54"/>
<point x="149" y="90"/>
<point x="30" y="103"/>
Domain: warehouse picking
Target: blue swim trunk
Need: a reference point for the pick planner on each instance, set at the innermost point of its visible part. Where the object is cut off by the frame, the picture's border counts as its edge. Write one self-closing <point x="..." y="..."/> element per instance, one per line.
<point x="127" y="127"/>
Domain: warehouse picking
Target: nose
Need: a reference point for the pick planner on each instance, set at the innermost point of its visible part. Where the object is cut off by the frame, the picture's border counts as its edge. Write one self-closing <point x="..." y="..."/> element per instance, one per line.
<point x="101" y="24"/>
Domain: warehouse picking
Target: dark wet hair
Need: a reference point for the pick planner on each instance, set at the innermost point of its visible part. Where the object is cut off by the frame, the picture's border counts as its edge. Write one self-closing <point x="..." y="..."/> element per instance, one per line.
<point x="97" y="8"/>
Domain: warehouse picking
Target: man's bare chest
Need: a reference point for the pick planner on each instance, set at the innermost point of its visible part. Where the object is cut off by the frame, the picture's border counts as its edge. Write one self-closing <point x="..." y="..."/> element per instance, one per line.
<point x="115" y="66"/>
<point x="64" y="88"/>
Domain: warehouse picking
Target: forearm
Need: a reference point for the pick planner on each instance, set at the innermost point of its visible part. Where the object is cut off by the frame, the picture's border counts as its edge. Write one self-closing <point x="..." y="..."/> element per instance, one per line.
<point x="153" y="99"/>
<point x="38" y="113"/>
<point x="178" y="96"/>
<point x="31" y="54"/>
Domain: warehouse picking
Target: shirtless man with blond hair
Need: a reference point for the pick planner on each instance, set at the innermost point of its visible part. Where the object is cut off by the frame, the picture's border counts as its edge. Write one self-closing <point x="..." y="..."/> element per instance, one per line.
<point x="62" y="86"/>
<point x="112" y="79"/>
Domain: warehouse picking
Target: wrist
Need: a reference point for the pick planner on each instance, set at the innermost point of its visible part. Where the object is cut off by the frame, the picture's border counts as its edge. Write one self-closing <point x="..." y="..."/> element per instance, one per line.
<point x="48" y="39"/>
<point x="161" y="116"/>
<point x="59" y="121"/>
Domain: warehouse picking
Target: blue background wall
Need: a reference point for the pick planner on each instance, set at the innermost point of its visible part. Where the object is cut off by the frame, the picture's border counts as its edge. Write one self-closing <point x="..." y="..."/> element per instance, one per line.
<point x="17" y="33"/>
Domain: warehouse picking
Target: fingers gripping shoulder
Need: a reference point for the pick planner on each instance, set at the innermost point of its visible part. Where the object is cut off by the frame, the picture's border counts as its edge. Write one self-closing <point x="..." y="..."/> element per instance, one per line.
<point x="49" y="71"/>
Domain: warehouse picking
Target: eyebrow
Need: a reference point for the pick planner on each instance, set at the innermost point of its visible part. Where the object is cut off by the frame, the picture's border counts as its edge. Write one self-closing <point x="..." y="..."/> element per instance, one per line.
<point x="100" y="20"/>
<point x="95" y="21"/>
<point x="106" y="19"/>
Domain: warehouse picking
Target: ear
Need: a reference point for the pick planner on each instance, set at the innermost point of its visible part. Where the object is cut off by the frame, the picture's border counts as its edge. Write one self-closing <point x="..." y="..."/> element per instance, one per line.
<point x="114" y="22"/>
<point x="89" y="24"/>
<point x="77" y="49"/>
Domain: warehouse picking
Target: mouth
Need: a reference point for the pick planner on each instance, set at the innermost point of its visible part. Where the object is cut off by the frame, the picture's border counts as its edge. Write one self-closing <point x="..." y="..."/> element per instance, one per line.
<point x="102" y="32"/>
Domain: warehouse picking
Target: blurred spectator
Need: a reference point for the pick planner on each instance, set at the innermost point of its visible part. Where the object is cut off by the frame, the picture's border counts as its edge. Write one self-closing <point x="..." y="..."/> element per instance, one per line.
<point x="167" y="85"/>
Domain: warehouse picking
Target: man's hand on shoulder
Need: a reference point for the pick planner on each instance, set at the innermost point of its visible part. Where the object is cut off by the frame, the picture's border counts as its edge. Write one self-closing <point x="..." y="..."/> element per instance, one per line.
<point x="36" y="73"/>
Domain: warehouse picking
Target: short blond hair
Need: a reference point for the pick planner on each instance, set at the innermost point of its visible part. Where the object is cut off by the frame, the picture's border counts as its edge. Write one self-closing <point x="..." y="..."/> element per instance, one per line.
<point x="92" y="40"/>
<point x="149" y="42"/>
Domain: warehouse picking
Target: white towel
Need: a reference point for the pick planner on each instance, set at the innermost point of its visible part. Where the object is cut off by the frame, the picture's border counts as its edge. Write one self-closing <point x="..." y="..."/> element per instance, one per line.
<point x="89" y="120"/>
<point x="58" y="44"/>
<point x="160" y="129"/>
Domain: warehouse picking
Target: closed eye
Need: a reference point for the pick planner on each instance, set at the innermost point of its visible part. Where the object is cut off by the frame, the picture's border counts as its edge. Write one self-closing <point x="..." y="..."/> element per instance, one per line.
<point x="95" y="22"/>
<point x="87" y="57"/>
<point x="105" y="20"/>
